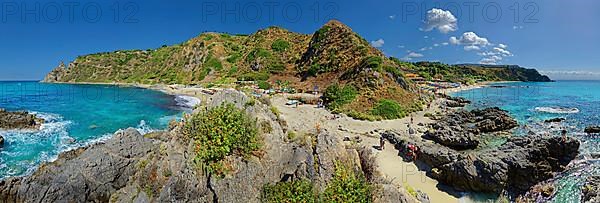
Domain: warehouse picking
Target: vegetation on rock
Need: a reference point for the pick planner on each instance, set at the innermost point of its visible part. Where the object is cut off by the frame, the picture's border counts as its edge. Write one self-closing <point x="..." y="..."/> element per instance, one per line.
<point x="220" y="132"/>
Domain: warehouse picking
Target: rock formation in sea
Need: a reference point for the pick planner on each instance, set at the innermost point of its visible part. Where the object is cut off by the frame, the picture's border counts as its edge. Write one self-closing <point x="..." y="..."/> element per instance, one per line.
<point x="461" y="129"/>
<point x="515" y="166"/>
<point x="592" y="129"/>
<point x="158" y="167"/>
<point x="18" y="120"/>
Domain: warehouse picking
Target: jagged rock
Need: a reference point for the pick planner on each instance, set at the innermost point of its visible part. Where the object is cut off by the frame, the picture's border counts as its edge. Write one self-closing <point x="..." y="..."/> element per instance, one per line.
<point x="159" y="167"/>
<point x="57" y="74"/>
<point x="555" y="120"/>
<point x="1" y="141"/>
<point x="19" y="120"/>
<point x="591" y="190"/>
<point x="460" y="130"/>
<point x="592" y="129"/>
<point x="517" y="165"/>
<point x="82" y="175"/>
<point x="390" y="193"/>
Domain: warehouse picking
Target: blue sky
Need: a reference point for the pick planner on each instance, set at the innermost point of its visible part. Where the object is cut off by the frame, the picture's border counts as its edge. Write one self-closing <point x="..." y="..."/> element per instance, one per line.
<point x="557" y="37"/>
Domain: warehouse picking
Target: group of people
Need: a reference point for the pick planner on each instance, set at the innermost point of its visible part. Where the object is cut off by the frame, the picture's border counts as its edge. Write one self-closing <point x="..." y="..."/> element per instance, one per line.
<point x="411" y="149"/>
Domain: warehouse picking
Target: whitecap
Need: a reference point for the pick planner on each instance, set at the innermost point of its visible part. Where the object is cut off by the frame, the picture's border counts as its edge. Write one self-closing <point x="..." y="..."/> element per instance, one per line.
<point x="557" y="110"/>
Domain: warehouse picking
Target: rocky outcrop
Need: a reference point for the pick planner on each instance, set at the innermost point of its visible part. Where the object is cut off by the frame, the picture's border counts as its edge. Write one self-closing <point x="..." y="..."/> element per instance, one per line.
<point x="515" y="166"/>
<point x="1" y="141"/>
<point x="591" y="190"/>
<point x="592" y="129"/>
<point x="461" y="129"/>
<point x="159" y="167"/>
<point x="18" y="120"/>
<point x="57" y="74"/>
<point x="554" y="120"/>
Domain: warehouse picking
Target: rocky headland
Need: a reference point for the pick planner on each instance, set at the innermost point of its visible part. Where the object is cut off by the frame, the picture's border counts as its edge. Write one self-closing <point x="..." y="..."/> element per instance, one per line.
<point x="159" y="167"/>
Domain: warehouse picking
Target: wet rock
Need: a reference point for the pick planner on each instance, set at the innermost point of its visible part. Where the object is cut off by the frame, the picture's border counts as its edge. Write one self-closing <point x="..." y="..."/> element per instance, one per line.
<point x="555" y="120"/>
<point x="19" y="120"/>
<point x="592" y="129"/>
<point x="591" y="190"/>
<point x="1" y="141"/>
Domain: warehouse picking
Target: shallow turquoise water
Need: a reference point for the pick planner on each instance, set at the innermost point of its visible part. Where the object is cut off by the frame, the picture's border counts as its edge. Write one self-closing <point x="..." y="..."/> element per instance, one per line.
<point x="532" y="103"/>
<point x="76" y="115"/>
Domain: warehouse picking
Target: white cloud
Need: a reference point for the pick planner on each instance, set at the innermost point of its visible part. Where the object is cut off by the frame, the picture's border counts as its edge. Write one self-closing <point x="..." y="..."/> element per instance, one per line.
<point x="515" y="27"/>
<point x="436" y="45"/>
<point x="472" y="48"/>
<point x="441" y="20"/>
<point x="378" y="43"/>
<point x="445" y="43"/>
<point x="423" y="49"/>
<point x="469" y="39"/>
<point x="411" y="56"/>
<point x="392" y="17"/>
<point x="501" y="51"/>
<point x="495" y="55"/>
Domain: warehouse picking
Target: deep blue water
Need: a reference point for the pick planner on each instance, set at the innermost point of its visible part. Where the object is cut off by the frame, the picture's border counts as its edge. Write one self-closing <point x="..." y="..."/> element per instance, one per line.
<point x="76" y="115"/>
<point x="532" y="103"/>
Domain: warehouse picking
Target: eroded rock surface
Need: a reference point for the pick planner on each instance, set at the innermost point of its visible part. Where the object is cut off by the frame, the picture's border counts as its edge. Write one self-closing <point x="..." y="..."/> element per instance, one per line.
<point x="517" y="165"/>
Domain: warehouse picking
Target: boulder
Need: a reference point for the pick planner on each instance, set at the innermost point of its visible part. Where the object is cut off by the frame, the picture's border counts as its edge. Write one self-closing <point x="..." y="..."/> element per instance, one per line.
<point x="1" y="141"/>
<point x="591" y="190"/>
<point x="554" y="120"/>
<point x="592" y="129"/>
<point x="460" y="130"/>
<point x="18" y="120"/>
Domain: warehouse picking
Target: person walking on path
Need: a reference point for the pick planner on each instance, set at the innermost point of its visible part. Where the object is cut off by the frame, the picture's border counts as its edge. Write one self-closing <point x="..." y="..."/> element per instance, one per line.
<point x="381" y="143"/>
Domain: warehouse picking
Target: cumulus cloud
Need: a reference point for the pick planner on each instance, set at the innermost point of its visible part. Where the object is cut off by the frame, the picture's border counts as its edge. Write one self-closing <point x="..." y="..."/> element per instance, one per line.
<point x="441" y="20"/>
<point x="503" y="46"/>
<point x="469" y="39"/>
<point x="412" y="55"/>
<point x="392" y="17"/>
<point x="378" y="43"/>
<point x="501" y="51"/>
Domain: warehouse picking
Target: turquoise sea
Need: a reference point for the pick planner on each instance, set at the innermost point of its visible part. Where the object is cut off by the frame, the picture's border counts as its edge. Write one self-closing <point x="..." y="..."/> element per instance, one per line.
<point x="77" y="115"/>
<point x="532" y="103"/>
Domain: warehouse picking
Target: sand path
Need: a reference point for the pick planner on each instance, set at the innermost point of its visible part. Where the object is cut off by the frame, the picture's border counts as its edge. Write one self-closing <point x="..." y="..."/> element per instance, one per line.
<point x="305" y="118"/>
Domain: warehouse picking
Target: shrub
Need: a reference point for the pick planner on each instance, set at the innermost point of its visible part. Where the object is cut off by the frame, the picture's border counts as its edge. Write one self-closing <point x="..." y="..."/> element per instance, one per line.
<point x="347" y="186"/>
<point x="220" y="132"/>
<point x="264" y="85"/>
<point x="388" y="109"/>
<point x="289" y="192"/>
<point x="214" y="63"/>
<point x="336" y="96"/>
<point x="280" y="45"/>
<point x="234" y="57"/>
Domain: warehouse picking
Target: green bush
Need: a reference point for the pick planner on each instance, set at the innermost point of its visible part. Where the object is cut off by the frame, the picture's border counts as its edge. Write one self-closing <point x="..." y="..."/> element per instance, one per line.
<point x="213" y="63"/>
<point x="220" y="132"/>
<point x="280" y="45"/>
<point x="289" y="192"/>
<point x="336" y="96"/>
<point x="264" y="85"/>
<point x="347" y="186"/>
<point x="388" y="109"/>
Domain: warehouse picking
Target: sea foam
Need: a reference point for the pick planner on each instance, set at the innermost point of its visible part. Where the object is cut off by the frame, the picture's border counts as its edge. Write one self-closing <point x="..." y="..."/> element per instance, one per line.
<point x="557" y="110"/>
